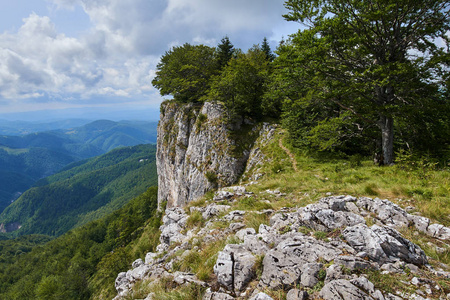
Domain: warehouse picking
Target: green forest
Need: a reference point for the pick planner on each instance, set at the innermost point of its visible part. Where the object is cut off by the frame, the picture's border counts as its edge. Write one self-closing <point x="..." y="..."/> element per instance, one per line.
<point x="27" y="158"/>
<point x="83" y="191"/>
<point x="359" y="78"/>
<point x="84" y="262"/>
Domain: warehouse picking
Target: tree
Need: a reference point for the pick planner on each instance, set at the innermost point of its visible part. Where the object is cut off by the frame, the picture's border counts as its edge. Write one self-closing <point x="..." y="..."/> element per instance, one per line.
<point x="376" y="59"/>
<point x="225" y="52"/>
<point x="265" y="47"/>
<point x="185" y="71"/>
<point x="242" y="82"/>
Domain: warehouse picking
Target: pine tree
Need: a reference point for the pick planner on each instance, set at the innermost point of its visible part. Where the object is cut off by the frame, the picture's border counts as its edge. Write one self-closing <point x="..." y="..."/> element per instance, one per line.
<point x="266" y="49"/>
<point x="225" y="51"/>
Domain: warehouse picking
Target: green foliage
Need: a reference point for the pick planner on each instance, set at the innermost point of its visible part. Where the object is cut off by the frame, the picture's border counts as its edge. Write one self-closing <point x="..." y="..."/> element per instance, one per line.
<point x="84" y="192"/>
<point x="375" y="61"/>
<point x="184" y="72"/>
<point x="225" y="51"/>
<point x="241" y="84"/>
<point x="83" y="263"/>
<point x="211" y="176"/>
<point x="265" y="47"/>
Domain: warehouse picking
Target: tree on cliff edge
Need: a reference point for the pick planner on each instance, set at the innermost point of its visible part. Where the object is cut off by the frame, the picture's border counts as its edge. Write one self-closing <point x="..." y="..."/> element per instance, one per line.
<point x="379" y="60"/>
<point x="184" y="72"/>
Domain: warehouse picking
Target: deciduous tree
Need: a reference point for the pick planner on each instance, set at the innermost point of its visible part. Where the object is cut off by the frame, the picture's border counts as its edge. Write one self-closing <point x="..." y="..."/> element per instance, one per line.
<point x="378" y="59"/>
<point x="184" y="72"/>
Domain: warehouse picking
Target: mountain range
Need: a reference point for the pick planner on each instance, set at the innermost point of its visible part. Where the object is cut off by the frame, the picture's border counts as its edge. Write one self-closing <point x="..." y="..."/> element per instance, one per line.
<point x="26" y="158"/>
<point x="82" y="192"/>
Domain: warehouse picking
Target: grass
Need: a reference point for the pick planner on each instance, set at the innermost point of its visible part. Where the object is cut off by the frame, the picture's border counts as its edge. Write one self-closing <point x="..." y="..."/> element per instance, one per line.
<point x="426" y="188"/>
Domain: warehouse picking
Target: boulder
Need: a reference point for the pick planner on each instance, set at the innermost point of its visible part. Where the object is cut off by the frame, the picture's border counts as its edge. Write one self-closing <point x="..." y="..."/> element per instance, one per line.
<point x="284" y="264"/>
<point x="210" y="295"/>
<point x="296" y="294"/>
<point x="343" y="289"/>
<point x="261" y="296"/>
<point x="234" y="267"/>
<point x="383" y="244"/>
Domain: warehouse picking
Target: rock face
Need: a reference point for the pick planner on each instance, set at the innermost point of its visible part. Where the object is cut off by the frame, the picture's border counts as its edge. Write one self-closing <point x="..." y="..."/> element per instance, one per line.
<point x="197" y="151"/>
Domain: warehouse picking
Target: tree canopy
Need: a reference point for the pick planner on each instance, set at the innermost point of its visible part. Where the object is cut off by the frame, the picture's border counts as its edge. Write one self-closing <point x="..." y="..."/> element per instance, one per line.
<point x="379" y="60"/>
<point x="184" y="72"/>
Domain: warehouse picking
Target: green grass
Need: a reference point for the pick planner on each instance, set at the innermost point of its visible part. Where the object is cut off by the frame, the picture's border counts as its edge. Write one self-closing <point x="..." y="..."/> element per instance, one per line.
<point x="426" y="188"/>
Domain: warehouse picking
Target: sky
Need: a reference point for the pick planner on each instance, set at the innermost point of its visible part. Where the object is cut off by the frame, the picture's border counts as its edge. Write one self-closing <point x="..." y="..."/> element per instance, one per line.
<point x="99" y="56"/>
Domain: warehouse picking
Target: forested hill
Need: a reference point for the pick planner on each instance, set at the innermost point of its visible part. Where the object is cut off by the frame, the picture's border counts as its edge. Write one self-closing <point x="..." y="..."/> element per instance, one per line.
<point x="83" y="263"/>
<point x="28" y="158"/>
<point x="82" y="192"/>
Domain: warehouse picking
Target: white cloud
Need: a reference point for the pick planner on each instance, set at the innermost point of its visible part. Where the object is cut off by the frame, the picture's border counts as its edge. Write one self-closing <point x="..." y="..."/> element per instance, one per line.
<point x="117" y="56"/>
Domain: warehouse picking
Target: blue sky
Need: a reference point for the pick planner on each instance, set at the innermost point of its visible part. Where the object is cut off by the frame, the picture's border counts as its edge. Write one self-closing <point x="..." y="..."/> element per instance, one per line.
<point x="100" y="55"/>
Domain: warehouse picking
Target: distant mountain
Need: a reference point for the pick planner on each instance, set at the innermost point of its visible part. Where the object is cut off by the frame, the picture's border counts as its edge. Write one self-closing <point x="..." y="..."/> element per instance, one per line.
<point x="23" y="128"/>
<point x="27" y="158"/>
<point x="82" y="192"/>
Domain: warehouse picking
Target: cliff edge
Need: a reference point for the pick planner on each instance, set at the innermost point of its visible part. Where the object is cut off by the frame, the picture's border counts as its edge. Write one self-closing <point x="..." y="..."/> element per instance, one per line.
<point x="199" y="149"/>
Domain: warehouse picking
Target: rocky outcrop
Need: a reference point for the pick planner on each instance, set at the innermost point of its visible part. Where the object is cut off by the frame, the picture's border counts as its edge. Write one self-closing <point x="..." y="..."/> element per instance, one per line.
<point x="199" y="150"/>
<point x="288" y="254"/>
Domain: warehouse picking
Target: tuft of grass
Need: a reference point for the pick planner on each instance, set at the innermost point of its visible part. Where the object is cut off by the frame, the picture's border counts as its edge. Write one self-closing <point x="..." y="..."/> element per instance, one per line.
<point x="321" y="235"/>
<point x="165" y="289"/>
<point x="195" y="220"/>
<point x="253" y="220"/>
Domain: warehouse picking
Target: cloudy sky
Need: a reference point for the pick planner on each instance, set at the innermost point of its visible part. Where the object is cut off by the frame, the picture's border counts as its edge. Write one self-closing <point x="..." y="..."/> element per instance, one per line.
<point x="101" y="54"/>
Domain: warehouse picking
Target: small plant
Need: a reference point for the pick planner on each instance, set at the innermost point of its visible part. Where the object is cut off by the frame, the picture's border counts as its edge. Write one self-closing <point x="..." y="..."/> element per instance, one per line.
<point x="320" y="235"/>
<point x="195" y="220"/>
<point x="277" y="168"/>
<point x="259" y="266"/>
<point x="304" y="230"/>
<point x="202" y="118"/>
<point x="211" y="177"/>
<point x="285" y="229"/>
<point x="370" y="189"/>
<point x="355" y="160"/>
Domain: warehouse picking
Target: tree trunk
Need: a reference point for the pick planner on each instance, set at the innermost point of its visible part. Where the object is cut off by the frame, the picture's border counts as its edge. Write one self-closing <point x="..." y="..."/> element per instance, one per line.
<point x="387" y="139"/>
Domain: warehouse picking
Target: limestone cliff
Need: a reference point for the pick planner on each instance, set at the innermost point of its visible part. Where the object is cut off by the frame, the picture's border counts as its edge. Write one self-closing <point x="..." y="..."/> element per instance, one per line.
<point x="199" y="150"/>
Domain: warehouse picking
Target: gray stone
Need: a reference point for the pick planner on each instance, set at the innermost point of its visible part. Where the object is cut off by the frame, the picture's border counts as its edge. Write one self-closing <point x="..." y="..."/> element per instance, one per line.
<point x="214" y="210"/>
<point x="295" y="294"/>
<point x="138" y="273"/>
<point x="338" y="219"/>
<point x="210" y="295"/>
<point x="150" y="257"/>
<point x="234" y="267"/>
<point x="281" y="264"/>
<point x="241" y="234"/>
<point x="137" y="263"/>
<point x="343" y="289"/>
<point x="352" y="262"/>
<point x="261" y="296"/>
<point x="236" y="226"/>
<point x="183" y="145"/>
<point x="122" y="284"/>
<point x="235" y="215"/>
<point x="364" y="284"/>
<point x="309" y="276"/>
<point x="389" y="213"/>
<point x="335" y="272"/>
<point x="182" y="278"/>
<point x="383" y="244"/>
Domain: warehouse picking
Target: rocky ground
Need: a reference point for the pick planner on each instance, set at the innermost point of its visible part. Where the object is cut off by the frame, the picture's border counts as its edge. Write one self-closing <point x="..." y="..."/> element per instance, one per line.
<point x="340" y="247"/>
